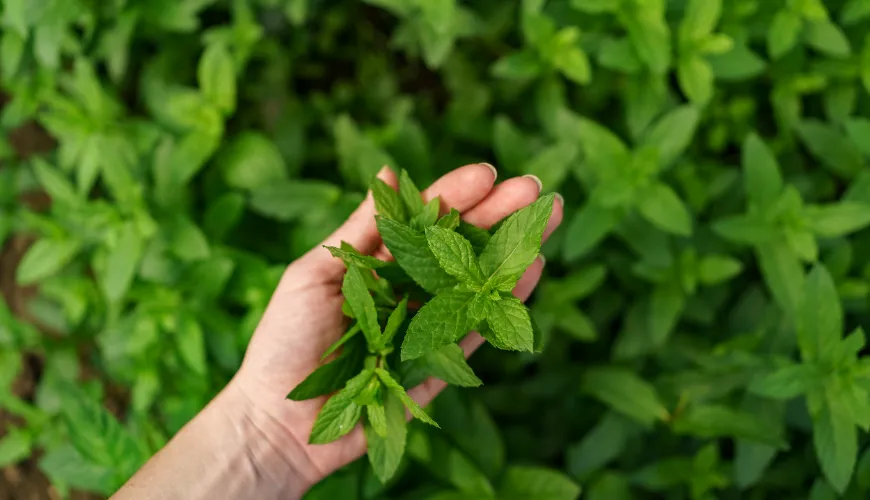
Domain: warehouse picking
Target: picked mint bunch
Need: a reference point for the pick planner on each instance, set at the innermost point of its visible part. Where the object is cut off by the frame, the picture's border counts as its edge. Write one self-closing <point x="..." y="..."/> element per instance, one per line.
<point x="460" y="275"/>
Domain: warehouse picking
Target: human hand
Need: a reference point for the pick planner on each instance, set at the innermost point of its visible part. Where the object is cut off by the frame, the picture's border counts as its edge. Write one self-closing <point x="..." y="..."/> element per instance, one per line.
<point x="302" y="320"/>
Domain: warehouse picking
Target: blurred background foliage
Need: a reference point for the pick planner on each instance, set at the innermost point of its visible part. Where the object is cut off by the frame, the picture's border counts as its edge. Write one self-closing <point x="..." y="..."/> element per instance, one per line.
<point x="709" y="151"/>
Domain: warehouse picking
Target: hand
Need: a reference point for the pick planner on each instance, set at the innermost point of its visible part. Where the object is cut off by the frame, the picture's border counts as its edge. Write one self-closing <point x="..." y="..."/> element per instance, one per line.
<point x="304" y="318"/>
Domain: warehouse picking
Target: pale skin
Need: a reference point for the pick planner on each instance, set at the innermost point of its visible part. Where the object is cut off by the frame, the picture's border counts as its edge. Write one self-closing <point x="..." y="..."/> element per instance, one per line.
<point x="252" y="442"/>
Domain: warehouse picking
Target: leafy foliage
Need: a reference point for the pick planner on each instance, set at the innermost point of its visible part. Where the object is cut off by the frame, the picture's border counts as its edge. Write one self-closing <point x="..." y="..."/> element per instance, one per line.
<point x="698" y="332"/>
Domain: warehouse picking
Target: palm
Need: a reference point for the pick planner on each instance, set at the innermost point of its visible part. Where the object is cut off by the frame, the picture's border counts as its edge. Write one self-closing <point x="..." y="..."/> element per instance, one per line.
<point x="304" y="317"/>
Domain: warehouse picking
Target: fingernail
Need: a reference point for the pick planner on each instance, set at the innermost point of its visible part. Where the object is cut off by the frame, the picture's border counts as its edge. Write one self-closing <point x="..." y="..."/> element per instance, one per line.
<point x="560" y="198"/>
<point x="543" y="259"/>
<point x="494" y="171"/>
<point x="383" y="171"/>
<point x="537" y="181"/>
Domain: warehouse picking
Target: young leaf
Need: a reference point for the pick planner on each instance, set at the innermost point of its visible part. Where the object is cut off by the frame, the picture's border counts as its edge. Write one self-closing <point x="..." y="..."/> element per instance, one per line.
<point x="190" y="340"/>
<point x="673" y="133"/>
<point x="349" y="334"/>
<point x="411" y="251"/>
<point x="455" y="255"/>
<point x="122" y="263"/>
<point x="45" y="258"/>
<point x="623" y="391"/>
<point x="783" y="274"/>
<point x="385" y="453"/>
<point x="838" y="219"/>
<point x="713" y="269"/>
<point x="586" y="229"/>
<point x="820" y="317"/>
<point x="410" y="195"/>
<point x="510" y="327"/>
<point x="340" y="414"/>
<point x="362" y="304"/>
<point x="397" y="317"/>
<point x="399" y="391"/>
<point x="449" y="365"/>
<point x="523" y="483"/>
<point x="15" y="446"/>
<point x="836" y="443"/>
<point x="783" y="33"/>
<point x="377" y="418"/>
<point x="517" y="242"/>
<point x="761" y="177"/>
<point x="660" y="205"/>
<point x="428" y="216"/>
<point x="331" y="376"/>
<point x="442" y="321"/>
<point x="387" y="201"/>
<point x="217" y="77"/>
<point x="450" y="220"/>
<point x="828" y="38"/>
<point x="787" y="382"/>
<point x="478" y="237"/>
<point x="351" y="256"/>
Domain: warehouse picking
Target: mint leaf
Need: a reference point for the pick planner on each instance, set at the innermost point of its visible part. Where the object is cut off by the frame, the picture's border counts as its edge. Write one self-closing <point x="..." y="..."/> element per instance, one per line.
<point x="455" y="255"/>
<point x="714" y="269"/>
<point x="385" y="452"/>
<point x="442" y="321"/>
<point x="660" y="205"/>
<point x="217" y="77"/>
<point x="786" y="382"/>
<point x="478" y="237"/>
<point x="820" y="318"/>
<point x="626" y="393"/>
<point x="397" y="389"/>
<point x="517" y="242"/>
<point x="45" y="258"/>
<point x="351" y="257"/>
<point x="361" y="304"/>
<point x="712" y="421"/>
<point x="410" y="195"/>
<point x="673" y="133"/>
<point x="340" y="414"/>
<point x="510" y="327"/>
<point x="838" y="219"/>
<point x="451" y="221"/>
<point x="394" y="322"/>
<point x="411" y="251"/>
<point x="387" y="201"/>
<point x="836" y="442"/>
<point x="377" y="418"/>
<point x="761" y="177"/>
<point x="331" y="376"/>
<point x="538" y="483"/>
<point x="449" y="365"/>
<point x="428" y="216"/>
<point x="586" y="228"/>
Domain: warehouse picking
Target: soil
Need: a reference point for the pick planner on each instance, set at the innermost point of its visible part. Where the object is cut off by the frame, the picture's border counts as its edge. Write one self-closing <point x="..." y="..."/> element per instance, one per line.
<point x="24" y="481"/>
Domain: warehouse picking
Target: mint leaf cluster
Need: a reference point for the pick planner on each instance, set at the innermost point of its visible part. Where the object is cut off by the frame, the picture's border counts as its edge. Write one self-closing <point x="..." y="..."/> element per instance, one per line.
<point x="461" y="286"/>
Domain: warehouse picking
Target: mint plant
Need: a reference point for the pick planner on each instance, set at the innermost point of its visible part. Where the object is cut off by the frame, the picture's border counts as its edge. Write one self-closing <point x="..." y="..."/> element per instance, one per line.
<point x="461" y="289"/>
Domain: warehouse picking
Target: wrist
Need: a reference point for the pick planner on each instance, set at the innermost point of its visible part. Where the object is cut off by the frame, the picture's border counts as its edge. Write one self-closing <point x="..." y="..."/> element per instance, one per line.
<point x="262" y="444"/>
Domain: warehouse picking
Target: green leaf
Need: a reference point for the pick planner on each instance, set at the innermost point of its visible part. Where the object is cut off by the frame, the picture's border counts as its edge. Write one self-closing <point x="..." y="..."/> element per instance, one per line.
<point x="696" y="79"/>
<point x="738" y="64"/>
<point x="15" y="446"/>
<point x="351" y="257"/>
<point x="66" y="466"/>
<point x="394" y="322"/>
<point x="744" y="229"/>
<point x="190" y="341"/>
<point x="289" y="200"/>
<point x="122" y="263"/>
<point x="58" y="187"/>
<point x="761" y="177"/>
<point x="329" y="377"/>
<point x="552" y="164"/>
<point x="784" y="33"/>
<point x="340" y="414"/>
<point x="524" y="482"/>
<point x="831" y="148"/>
<point x="836" y="443"/>
<point x="450" y="221"/>
<point x="660" y="205"/>
<point x="516" y="244"/>
<point x="217" y="77"/>
<point x="610" y="485"/>
<point x="443" y="320"/>
<point x="377" y="418"/>
<point x="786" y="382"/>
<point x="455" y="255"/>
<point x="520" y="65"/>
<point x="410" y="195"/>
<point x="820" y="317"/>
<point x="699" y="21"/>
<point x="411" y="251"/>
<point x="855" y="11"/>
<point x="673" y="133"/>
<point x="600" y="445"/>
<point x="428" y="217"/>
<point x="783" y="274"/>
<point x="449" y="365"/>
<point x="649" y="35"/>
<point x="387" y="201"/>
<point x="45" y="258"/>
<point x="838" y="219"/>
<point x="251" y="161"/>
<point x="623" y="391"/>
<point x="385" y="453"/>
<point x="478" y="237"/>
<point x="399" y="391"/>
<point x="362" y="304"/>
<point x="510" y="327"/>
<point x="589" y="225"/>
<point x="713" y="421"/>
<point x="574" y="64"/>
<point x="714" y="269"/>
<point x="827" y="38"/>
